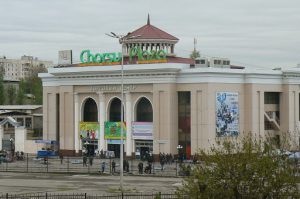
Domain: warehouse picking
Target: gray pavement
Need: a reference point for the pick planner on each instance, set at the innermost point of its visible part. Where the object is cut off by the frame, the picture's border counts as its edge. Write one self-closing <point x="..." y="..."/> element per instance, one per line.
<point x="21" y="183"/>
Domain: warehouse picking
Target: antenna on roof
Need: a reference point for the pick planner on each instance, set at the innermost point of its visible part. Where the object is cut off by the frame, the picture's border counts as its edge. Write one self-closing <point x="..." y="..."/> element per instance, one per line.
<point x="148" y="21"/>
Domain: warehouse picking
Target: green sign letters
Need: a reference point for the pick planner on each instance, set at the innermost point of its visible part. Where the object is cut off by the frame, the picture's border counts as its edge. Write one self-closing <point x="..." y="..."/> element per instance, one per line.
<point x="146" y="55"/>
<point x="87" y="57"/>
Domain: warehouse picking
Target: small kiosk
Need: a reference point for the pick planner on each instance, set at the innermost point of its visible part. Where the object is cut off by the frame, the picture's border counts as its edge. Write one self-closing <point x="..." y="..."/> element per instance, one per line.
<point x="48" y="148"/>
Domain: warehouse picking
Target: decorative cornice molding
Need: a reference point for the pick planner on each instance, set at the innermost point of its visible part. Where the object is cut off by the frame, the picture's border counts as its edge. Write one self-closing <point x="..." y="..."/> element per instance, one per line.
<point x="165" y="73"/>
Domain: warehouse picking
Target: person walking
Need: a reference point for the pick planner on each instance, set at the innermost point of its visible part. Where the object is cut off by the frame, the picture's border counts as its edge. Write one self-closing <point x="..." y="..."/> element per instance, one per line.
<point x="91" y="161"/>
<point x="84" y="160"/>
<point x="140" y="166"/>
<point x="113" y="167"/>
<point x="61" y="157"/>
<point x="150" y="167"/>
<point x="103" y="167"/>
<point x="127" y="166"/>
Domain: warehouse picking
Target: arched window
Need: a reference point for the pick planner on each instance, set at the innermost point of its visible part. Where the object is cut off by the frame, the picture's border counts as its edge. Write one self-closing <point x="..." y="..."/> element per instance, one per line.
<point x="144" y="111"/>
<point x="115" y="110"/>
<point x="90" y="111"/>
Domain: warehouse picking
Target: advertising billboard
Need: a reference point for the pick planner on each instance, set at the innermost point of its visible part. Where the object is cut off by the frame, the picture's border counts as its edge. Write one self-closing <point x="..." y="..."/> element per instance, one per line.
<point x="142" y="130"/>
<point x="227" y="113"/>
<point x="90" y="130"/>
<point x="112" y="130"/>
<point x="64" y="57"/>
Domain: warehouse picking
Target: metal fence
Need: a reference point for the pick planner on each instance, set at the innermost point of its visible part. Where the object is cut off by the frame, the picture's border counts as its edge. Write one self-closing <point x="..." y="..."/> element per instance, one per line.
<point x="30" y="163"/>
<point x="90" y="196"/>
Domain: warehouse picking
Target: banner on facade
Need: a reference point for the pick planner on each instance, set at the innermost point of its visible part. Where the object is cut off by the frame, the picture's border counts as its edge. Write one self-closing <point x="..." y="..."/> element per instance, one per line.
<point x="112" y="130"/>
<point x="90" y="130"/>
<point x="142" y="130"/>
<point x="227" y="113"/>
<point x="115" y="141"/>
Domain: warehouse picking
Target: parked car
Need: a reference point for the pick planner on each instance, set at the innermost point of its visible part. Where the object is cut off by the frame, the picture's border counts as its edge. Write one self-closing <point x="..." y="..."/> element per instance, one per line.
<point x="3" y="155"/>
<point x="295" y="155"/>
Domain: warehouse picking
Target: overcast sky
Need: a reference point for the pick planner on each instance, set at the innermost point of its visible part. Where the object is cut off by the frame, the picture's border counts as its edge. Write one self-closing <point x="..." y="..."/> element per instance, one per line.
<point x="254" y="33"/>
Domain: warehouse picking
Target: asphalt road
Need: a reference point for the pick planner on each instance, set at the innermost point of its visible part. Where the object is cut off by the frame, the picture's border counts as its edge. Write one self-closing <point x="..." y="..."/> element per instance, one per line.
<point x="21" y="183"/>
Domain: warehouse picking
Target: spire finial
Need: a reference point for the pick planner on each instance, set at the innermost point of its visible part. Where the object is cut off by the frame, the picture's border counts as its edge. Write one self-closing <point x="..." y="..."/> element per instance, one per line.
<point x="148" y="21"/>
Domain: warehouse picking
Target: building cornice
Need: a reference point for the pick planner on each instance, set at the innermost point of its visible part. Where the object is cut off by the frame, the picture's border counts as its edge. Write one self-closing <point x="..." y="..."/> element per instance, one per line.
<point x="165" y="73"/>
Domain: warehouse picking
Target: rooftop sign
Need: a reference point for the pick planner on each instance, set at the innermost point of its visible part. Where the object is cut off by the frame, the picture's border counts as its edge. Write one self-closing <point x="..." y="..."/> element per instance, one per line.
<point x="147" y="55"/>
<point x="87" y="57"/>
<point x="143" y="57"/>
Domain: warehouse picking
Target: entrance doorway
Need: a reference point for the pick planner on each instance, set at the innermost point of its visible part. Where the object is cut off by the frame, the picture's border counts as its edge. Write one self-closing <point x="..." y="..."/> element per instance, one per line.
<point x="145" y="147"/>
<point x="115" y="148"/>
<point x="90" y="146"/>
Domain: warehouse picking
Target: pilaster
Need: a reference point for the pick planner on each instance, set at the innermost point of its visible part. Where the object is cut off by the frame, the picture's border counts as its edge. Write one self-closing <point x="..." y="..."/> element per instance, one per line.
<point x="128" y="119"/>
<point x="76" y="121"/>
<point x="1" y="136"/>
<point x="101" y="141"/>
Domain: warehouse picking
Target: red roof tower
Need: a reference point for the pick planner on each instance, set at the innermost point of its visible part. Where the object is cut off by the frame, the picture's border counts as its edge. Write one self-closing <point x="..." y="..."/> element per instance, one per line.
<point x="149" y="37"/>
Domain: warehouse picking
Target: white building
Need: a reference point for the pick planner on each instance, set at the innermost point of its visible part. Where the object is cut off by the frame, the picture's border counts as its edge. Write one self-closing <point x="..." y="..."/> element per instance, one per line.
<point x="169" y="101"/>
<point x="16" y="69"/>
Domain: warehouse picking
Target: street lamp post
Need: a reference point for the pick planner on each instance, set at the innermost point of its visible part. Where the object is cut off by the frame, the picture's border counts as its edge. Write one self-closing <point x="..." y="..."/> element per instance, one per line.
<point x="179" y="148"/>
<point x="122" y="40"/>
<point x="11" y="147"/>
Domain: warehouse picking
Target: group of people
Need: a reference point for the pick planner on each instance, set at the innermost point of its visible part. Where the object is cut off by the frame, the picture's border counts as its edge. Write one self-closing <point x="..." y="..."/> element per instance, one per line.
<point x="148" y="168"/>
<point x="20" y="155"/>
<point x="126" y="165"/>
<point x="165" y="159"/>
<point x="85" y="159"/>
<point x="8" y="156"/>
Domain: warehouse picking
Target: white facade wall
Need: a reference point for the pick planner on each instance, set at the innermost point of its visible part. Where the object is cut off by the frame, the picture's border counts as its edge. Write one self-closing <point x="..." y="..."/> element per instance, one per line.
<point x="161" y="83"/>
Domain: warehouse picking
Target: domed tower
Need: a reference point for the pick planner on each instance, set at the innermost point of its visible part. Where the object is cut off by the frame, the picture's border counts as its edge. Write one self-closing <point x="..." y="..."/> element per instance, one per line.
<point x="149" y="38"/>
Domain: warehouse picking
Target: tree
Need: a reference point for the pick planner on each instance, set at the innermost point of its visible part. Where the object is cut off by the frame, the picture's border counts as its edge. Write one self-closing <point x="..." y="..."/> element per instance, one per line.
<point x="195" y="54"/>
<point x="37" y="91"/>
<point x="11" y="95"/>
<point x="2" y="96"/>
<point x="241" y="169"/>
<point x="33" y="84"/>
<point x="21" y="93"/>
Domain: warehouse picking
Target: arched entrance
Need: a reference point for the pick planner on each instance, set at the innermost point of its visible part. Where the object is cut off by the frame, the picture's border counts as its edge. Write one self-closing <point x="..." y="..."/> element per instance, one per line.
<point x="114" y="118"/>
<point x="115" y="110"/>
<point x="90" y="111"/>
<point x="89" y="127"/>
<point x="143" y="128"/>
<point x="8" y="136"/>
<point x="144" y="111"/>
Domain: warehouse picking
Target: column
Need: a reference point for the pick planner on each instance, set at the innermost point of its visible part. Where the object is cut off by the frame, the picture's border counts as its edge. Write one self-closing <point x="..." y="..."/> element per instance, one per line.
<point x="76" y="121"/>
<point x="128" y="119"/>
<point x="1" y="136"/>
<point x="101" y="111"/>
<point x="296" y="119"/>
<point x="261" y="112"/>
<point x="194" y="122"/>
<point x="20" y="138"/>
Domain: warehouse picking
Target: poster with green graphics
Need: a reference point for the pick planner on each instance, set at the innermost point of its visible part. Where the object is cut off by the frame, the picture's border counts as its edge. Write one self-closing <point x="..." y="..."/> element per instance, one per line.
<point x="89" y="130"/>
<point x="112" y="130"/>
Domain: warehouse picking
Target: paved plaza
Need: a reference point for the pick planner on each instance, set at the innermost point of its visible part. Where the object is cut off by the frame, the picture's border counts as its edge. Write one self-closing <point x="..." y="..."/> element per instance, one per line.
<point x="21" y="183"/>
